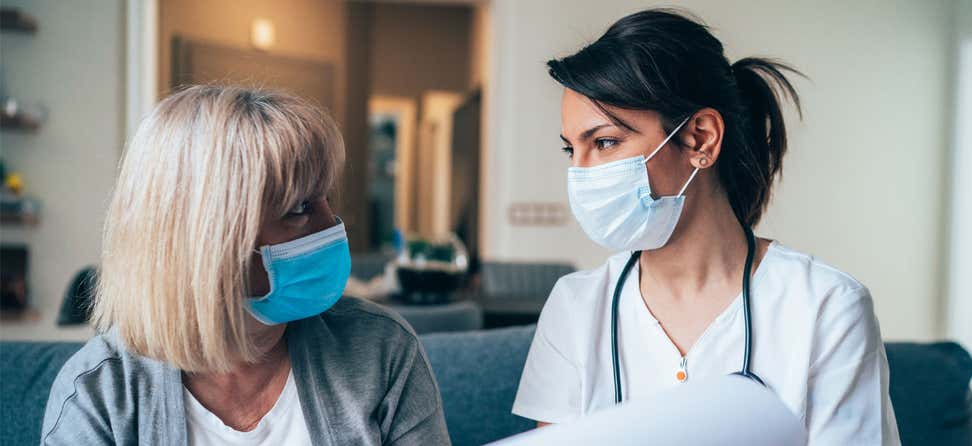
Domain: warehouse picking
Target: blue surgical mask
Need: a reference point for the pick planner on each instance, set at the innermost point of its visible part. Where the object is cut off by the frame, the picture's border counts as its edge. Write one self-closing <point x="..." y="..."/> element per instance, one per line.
<point x="613" y="203"/>
<point x="307" y="276"/>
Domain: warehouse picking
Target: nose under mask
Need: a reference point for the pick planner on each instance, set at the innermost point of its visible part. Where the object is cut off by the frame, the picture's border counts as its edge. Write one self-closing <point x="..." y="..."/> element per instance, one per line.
<point x="307" y="276"/>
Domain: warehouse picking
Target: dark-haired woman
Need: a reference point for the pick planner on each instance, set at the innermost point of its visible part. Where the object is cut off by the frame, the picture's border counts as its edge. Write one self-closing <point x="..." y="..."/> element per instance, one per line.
<point x="674" y="152"/>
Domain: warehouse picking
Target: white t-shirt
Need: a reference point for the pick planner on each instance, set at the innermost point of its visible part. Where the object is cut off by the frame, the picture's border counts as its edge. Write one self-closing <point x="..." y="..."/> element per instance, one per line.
<point x="283" y="425"/>
<point x="816" y="344"/>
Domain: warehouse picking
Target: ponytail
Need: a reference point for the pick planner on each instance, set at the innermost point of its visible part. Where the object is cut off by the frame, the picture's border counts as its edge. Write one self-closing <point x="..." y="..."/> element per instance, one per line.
<point x="761" y="83"/>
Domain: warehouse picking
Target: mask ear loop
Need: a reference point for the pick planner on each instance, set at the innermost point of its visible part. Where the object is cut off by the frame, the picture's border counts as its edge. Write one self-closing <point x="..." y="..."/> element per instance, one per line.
<point x="670" y="136"/>
<point x="662" y="146"/>
<point x="687" y="182"/>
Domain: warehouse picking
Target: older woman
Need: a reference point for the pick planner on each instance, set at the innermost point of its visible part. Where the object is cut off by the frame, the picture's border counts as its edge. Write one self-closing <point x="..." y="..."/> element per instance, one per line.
<point x="219" y="296"/>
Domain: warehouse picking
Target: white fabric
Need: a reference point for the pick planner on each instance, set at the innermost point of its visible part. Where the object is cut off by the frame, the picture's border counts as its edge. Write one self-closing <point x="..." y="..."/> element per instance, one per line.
<point x="284" y="424"/>
<point x="816" y="344"/>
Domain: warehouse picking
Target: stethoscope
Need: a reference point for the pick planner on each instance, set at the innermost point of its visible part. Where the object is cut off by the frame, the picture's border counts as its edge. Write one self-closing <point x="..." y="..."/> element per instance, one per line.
<point x="747" y="352"/>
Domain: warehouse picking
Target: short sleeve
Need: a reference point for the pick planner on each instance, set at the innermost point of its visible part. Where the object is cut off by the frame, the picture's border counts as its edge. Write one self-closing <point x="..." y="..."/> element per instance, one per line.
<point x="550" y="387"/>
<point x="847" y="395"/>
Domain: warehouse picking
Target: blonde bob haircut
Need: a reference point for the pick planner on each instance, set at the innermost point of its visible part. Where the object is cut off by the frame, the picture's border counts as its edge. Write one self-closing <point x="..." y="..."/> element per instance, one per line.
<point x="203" y="171"/>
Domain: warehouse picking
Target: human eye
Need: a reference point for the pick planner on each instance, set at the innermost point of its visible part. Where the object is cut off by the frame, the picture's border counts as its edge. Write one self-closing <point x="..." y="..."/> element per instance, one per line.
<point x="605" y="143"/>
<point x="301" y="209"/>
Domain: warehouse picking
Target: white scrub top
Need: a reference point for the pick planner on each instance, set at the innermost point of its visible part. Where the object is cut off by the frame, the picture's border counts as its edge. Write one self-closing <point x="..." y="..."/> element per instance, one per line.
<point x="816" y="344"/>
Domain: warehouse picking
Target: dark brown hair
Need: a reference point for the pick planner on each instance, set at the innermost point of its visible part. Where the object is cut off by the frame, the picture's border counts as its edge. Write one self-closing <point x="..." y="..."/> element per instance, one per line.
<point x="666" y="61"/>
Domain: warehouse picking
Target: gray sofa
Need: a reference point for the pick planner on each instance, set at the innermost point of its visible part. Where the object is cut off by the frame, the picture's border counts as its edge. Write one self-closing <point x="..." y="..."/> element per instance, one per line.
<point x="478" y="373"/>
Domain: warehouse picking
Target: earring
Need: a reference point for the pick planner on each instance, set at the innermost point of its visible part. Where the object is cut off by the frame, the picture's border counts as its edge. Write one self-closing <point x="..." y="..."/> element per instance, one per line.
<point x="703" y="162"/>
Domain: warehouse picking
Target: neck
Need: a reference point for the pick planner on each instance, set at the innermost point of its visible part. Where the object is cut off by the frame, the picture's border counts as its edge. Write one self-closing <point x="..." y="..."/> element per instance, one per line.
<point x="246" y="380"/>
<point x="706" y="250"/>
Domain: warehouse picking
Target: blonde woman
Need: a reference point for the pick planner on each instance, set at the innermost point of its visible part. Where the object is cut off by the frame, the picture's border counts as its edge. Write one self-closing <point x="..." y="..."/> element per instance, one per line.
<point x="219" y="295"/>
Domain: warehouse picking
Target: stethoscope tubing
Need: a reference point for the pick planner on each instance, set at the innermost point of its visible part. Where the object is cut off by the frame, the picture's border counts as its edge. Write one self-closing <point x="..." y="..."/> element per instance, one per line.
<point x="747" y="315"/>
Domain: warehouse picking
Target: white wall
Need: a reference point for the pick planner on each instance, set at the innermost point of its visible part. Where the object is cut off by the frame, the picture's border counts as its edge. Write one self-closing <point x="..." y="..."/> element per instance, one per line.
<point x="73" y="66"/>
<point x="959" y="308"/>
<point x="863" y="184"/>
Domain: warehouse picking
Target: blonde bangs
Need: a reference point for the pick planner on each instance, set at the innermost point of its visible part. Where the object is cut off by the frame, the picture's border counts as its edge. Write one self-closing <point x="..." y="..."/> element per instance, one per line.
<point x="203" y="171"/>
<point x="302" y="163"/>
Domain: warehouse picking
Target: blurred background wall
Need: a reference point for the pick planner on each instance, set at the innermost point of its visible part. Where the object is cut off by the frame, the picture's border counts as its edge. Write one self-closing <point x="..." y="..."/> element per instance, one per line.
<point x="73" y="69"/>
<point x="311" y="29"/>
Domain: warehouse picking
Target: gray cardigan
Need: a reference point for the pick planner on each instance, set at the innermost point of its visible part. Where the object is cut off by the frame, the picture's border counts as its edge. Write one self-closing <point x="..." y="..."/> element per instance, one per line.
<point x="362" y="378"/>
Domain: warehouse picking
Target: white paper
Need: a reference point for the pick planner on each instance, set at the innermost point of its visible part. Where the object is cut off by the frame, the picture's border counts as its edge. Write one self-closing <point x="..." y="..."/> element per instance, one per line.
<point x="723" y="411"/>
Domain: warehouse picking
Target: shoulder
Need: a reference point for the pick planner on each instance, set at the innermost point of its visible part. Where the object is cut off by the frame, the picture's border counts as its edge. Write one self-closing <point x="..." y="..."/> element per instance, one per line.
<point x="102" y="360"/>
<point x="97" y="361"/>
<point x="364" y="327"/>
<point x="579" y="301"/>
<point x="100" y="352"/>
<point x="93" y="381"/>
<point x="586" y="288"/>
<point x="840" y="307"/>
<point x="353" y="314"/>
<point x="813" y="281"/>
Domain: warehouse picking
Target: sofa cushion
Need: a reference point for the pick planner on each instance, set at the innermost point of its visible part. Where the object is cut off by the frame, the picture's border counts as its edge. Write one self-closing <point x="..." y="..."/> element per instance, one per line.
<point x="930" y="392"/>
<point x="27" y="370"/>
<point x="478" y="374"/>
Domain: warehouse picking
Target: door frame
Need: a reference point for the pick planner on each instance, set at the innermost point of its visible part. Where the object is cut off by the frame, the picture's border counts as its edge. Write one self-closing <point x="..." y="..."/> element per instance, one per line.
<point x="406" y="110"/>
<point x="141" y="61"/>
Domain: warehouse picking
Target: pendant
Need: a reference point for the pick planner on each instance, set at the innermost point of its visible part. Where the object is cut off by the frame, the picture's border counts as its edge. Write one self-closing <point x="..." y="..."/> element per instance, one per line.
<point x="682" y="374"/>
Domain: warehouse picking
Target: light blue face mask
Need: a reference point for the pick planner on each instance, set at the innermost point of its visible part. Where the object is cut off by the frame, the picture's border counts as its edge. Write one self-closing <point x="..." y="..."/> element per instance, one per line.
<point x="307" y="276"/>
<point x="613" y="203"/>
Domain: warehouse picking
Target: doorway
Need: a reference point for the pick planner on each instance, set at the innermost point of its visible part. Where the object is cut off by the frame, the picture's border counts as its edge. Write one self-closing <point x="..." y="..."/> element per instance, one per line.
<point x="398" y="76"/>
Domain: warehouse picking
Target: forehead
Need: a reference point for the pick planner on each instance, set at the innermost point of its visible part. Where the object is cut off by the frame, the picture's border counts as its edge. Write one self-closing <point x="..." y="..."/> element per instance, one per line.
<point x="579" y="113"/>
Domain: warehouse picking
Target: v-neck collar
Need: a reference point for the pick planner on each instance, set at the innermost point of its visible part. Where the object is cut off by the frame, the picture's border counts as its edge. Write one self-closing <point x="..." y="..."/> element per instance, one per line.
<point x="631" y="290"/>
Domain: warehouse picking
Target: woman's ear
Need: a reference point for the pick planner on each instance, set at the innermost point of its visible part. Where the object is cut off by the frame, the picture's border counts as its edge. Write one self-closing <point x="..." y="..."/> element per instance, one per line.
<point x="703" y="136"/>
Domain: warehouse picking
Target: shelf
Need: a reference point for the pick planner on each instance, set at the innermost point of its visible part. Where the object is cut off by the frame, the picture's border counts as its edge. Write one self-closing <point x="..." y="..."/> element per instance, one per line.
<point x="19" y="122"/>
<point x="15" y="219"/>
<point x="28" y="314"/>
<point x="16" y="21"/>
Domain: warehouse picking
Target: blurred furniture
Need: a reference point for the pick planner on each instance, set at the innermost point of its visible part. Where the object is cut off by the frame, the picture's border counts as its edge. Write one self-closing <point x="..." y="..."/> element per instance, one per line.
<point x="14" y="296"/>
<point x="427" y="286"/>
<point x="76" y="307"/>
<point x="513" y="293"/>
<point x="456" y="314"/>
<point x="432" y="269"/>
<point x="462" y="315"/>
<point x="12" y="114"/>
<point x="15" y="20"/>
<point x="478" y="373"/>
<point x="369" y="265"/>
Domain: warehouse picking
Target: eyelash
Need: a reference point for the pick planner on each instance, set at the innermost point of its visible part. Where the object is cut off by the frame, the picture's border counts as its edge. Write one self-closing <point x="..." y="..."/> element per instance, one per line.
<point x="305" y="208"/>
<point x="600" y="143"/>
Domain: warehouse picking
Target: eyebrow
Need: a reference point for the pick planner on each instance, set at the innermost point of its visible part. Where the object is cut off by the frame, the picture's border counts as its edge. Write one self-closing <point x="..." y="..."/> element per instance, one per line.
<point x="588" y="133"/>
